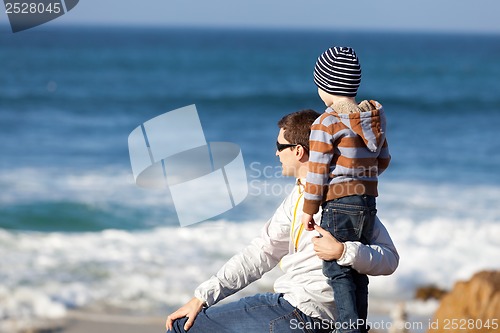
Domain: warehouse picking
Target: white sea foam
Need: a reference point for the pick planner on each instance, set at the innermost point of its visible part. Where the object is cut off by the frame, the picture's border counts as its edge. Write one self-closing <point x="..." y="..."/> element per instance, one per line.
<point x="443" y="233"/>
<point x="91" y="186"/>
<point x="144" y="271"/>
<point x="44" y="274"/>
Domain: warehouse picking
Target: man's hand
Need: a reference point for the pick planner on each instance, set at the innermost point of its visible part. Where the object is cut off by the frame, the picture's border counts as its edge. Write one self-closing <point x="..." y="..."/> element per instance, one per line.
<point x="308" y="221"/>
<point x="326" y="246"/>
<point x="189" y="310"/>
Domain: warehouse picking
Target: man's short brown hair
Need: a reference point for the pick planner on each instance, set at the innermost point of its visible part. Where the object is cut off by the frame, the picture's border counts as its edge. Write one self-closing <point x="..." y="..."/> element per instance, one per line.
<point x="297" y="126"/>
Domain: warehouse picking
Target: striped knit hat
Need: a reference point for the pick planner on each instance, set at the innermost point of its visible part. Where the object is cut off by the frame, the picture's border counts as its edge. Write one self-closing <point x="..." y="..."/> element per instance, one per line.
<point x="338" y="72"/>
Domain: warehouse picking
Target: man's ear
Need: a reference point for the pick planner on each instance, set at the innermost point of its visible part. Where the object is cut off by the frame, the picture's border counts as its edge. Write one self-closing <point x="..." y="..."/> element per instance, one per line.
<point x="299" y="152"/>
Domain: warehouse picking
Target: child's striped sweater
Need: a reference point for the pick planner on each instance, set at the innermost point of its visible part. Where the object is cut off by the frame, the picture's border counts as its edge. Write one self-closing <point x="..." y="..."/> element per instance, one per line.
<point x="347" y="153"/>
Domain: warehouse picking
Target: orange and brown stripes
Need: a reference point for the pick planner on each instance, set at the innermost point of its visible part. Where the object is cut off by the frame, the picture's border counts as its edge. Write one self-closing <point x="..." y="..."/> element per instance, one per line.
<point x="357" y="163"/>
<point x="321" y="147"/>
<point x="319" y="168"/>
<point x="347" y="153"/>
<point x="315" y="189"/>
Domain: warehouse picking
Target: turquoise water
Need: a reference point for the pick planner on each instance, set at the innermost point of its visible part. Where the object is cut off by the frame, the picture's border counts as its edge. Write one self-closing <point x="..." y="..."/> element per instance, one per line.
<point x="69" y="98"/>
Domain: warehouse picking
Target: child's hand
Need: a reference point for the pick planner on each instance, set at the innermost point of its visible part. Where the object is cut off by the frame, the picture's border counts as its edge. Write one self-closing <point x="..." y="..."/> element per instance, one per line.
<point x="308" y="221"/>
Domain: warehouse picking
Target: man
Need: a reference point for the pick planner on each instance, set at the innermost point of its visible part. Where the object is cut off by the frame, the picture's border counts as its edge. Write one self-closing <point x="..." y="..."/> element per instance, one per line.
<point x="303" y="300"/>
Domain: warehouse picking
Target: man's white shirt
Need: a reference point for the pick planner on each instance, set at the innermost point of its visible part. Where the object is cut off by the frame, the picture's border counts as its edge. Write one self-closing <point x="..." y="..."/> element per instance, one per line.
<point x="303" y="284"/>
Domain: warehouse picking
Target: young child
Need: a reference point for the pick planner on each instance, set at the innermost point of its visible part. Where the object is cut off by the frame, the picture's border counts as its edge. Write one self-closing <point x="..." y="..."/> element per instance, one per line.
<point x="348" y="151"/>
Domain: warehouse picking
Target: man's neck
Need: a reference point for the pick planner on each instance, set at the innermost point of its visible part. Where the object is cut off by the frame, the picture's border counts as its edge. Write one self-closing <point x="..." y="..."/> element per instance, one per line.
<point x="302" y="172"/>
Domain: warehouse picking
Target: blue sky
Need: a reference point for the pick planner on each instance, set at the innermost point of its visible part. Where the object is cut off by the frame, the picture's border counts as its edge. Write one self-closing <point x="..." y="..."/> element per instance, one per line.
<point x="422" y="15"/>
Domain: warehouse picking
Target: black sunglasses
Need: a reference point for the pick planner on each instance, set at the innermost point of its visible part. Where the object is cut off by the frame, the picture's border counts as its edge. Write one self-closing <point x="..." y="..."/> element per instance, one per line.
<point x="282" y="146"/>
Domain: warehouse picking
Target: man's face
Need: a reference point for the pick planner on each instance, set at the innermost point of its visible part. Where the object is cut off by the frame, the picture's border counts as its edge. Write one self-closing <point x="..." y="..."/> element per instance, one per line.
<point x="287" y="156"/>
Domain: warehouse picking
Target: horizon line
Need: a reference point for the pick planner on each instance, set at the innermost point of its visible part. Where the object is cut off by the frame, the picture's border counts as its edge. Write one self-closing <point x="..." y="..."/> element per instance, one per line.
<point x="144" y="25"/>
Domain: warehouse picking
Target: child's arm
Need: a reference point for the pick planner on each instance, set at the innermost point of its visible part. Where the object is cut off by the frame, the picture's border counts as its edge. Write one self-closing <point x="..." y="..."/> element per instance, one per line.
<point x="384" y="158"/>
<point x="321" y="150"/>
<point x="308" y="221"/>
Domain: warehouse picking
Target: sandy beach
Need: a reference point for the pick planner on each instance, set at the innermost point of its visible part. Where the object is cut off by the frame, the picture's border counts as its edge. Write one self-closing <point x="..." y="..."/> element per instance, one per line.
<point x="85" y="326"/>
<point x="93" y="322"/>
<point x="84" y="323"/>
<point x="81" y="322"/>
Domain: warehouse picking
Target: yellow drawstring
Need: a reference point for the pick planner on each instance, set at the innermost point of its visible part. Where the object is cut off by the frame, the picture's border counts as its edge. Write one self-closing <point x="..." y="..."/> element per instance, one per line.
<point x="301" y="228"/>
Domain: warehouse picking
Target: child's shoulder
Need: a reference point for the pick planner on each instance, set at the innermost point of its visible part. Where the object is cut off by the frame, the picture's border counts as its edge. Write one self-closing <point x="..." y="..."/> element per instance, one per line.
<point x="328" y="116"/>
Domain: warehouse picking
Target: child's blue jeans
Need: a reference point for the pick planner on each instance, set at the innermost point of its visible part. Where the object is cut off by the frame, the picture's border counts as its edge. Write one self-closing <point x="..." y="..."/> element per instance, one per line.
<point x="349" y="218"/>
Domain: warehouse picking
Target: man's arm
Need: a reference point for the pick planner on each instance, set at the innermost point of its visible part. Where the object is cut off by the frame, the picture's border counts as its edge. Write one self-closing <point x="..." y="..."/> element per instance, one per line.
<point x="242" y="269"/>
<point x="257" y="258"/>
<point x="189" y="310"/>
<point x="249" y="265"/>
<point x="378" y="258"/>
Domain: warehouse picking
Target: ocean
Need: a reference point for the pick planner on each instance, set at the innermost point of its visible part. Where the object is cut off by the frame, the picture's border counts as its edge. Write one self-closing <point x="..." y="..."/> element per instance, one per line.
<point x="76" y="233"/>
